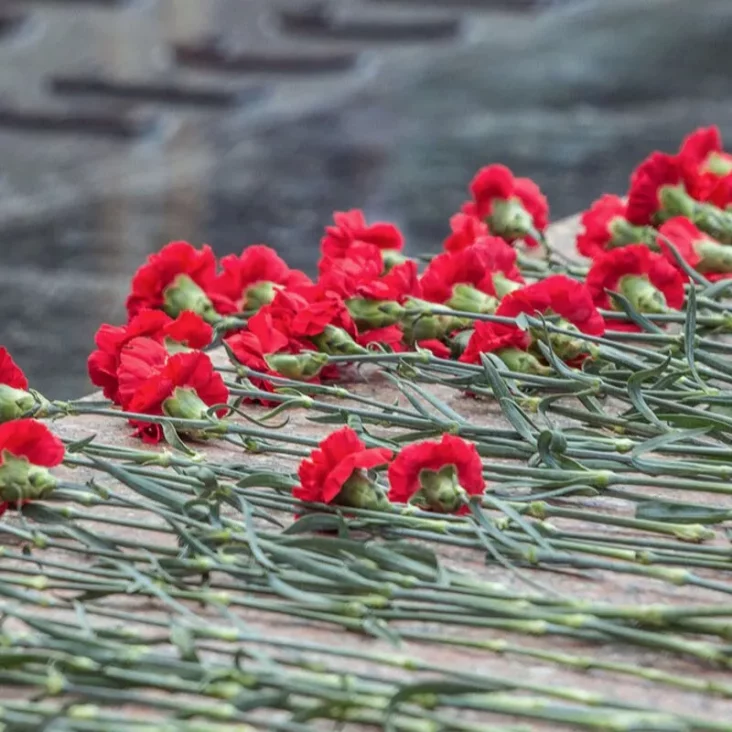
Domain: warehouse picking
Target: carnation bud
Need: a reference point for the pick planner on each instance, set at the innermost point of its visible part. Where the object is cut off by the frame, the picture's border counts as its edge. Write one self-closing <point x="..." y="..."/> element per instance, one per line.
<point x="337" y="342"/>
<point x="20" y="480"/>
<point x="361" y="492"/>
<point x="302" y="366"/>
<point x="15" y="403"/>
<point x="369" y="314"/>
<point x="643" y="295"/>
<point x="675" y="201"/>
<point x="184" y="294"/>
<point x="185" y="404"/>
<point x="521" y="362"/>
<point x="509" y="219"/>
<point x="471" y="300"/>
<point x="440" y="490"/>
<point x="258" y="295"/>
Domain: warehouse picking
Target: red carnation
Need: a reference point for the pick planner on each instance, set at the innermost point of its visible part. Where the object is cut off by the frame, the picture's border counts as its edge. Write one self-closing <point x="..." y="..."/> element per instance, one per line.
<point x="351" y="227"/>
<point x="188" y="329"/>
<point x="10" y="373"/>
<point x="334" y="472"/>
<point x="657" y="173"/>
<point x="466" y="230"/>
<point x="705" y="166"/>
<point x="514" y="208"/>
<point x="27" y="447"/>
<point x="475" y="265"/>
<point x="175" y="279"/>
<point x="648" y="280"/>
<point x="152" y="381"/>
<point x="436" y="475"/>
<point x="393" y="337"/>
<point x="699" y="250"/>
<point x="492" y="337"/>
<point x="606" y="226"/>
<point x="250" y="280"/>
<point x="559" y="295"/>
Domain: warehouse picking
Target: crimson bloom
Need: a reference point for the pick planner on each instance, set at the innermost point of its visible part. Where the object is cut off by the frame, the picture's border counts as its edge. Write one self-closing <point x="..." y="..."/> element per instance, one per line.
<point x="334" y="472"/>
<point x="488" y="266"/>
<point x="514" y="208"/>
<point x="559" y="295"/>
<point x="250" y="280"/>
<point x="706" y="167"/>
<point x="700" y="251"/>
<point x="650" y="182"/>
<point x="350" y="227"/>
<point x="648" y="280"/>
<point x="466" y="230"/>
<point x="436" y="475"/>
<point x="15" y="399"/>
<point x="606" y="226"/>
<point x="27" y="448"/>
<point x="175" y="279"/>
<point x="154" y="382"/>
<point x="492" y="338"/>
<point x="10" y="373"/>
<point x="188" y="330"/>
<point x="393" y="337"/>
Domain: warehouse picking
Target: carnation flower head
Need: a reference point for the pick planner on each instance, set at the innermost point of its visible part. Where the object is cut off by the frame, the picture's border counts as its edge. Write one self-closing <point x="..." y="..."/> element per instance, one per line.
<point x="705" y="166"/>
<point x="514" y="208"/>
<point x="648" y="280"/>
<point x="656" y="173"/>
<point x="27" y="449"/>
<point x="154" y="382"/>
<point x="249" y="281"/>
<point x="605" y="225"/>
<point x="557" y="294"/>
<point x="335" y="472"/>
<point x="176" y="278"/>
<point x="699" y="250"/>
<point x="436" y="476"/>
<point x="476" y="265"/>
<point x="351" y="227"/>
<point x="491" y="337"/>
<point x="188" y="330"/>
<point x="466" y="230"/>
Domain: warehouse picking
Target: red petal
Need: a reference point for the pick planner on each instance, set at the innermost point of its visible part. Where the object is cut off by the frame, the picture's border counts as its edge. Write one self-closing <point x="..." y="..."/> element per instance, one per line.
<point x="32" y="440"/>
<point x="10" y="373"/>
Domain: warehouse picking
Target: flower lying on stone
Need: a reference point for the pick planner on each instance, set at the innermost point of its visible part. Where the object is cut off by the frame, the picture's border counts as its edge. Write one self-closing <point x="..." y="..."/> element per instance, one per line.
<point x="176" y="279"/>
<point x="15" y="399"/>
<point x="605" y="226"/>
<point x="699" y="250"/>
<point x="336" y="472"/>
<point x="648" y="280"/>
<point x="251" y="280"/>
<point x="436" y="476"/>
<point x="154" y="382"/>
<point x="188" y="330"/>
<point x="508" y="342"/>
<point x="27" y="449"/>
<point x="513" y="208"/>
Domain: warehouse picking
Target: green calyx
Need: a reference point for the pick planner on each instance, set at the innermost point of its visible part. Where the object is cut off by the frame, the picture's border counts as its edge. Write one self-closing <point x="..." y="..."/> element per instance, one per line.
<point x="471" y="300"/>
<point x="184" y="294"/>
<point x="508" y="218"/>
<point x="258" y="295"/>
<point x="440" y="490"/>
<point x="368" y="314"/>
<point x="301" y="366"/>
<point x="16" y="403"/>
<point x="642" y="294"/>
<point x="20" y="480"/>
<point x="337" y="342"/>
<point x="522" y="362"/>
<point x="359" y="491"/>
<point x="185" y="404"/>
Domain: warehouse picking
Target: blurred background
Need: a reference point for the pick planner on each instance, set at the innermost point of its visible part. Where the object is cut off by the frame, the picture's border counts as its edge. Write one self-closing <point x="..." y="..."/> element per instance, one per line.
<point x="125" y="124"/>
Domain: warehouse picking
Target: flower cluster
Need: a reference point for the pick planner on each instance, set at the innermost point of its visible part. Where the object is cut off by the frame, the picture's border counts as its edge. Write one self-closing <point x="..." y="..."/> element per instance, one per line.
<point x="675" y="218"/>
<point x="433" y="476"/>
